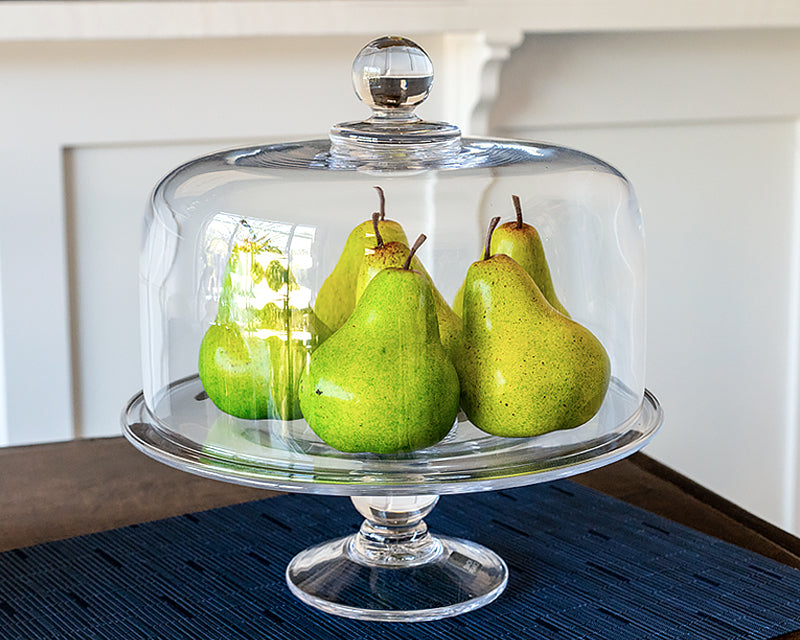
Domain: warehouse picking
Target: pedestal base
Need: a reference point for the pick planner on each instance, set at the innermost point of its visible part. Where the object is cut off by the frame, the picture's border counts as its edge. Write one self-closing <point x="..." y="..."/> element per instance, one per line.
<point x="459" y="577"/>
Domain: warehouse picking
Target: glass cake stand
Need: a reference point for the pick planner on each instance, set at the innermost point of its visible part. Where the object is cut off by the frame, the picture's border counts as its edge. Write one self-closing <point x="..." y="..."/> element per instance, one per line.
<point x="392" y="569"/>
<point x="263" y="244"/>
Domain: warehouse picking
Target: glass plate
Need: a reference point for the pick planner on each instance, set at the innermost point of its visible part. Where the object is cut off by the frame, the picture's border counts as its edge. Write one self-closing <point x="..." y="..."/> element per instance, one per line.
<point x="288" y="456"/>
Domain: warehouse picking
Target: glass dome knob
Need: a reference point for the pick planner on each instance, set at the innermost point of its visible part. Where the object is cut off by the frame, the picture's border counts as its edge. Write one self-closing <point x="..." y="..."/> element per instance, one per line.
<point x="392" y="75"/>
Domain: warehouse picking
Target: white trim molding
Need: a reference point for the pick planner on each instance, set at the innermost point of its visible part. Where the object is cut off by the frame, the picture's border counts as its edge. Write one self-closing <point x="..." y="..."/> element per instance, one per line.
<point x="137" y="19"/>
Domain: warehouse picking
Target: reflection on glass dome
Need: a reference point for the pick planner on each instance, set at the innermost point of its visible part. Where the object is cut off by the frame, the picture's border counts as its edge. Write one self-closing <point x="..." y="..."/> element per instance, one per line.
<point x="252" y="355"/>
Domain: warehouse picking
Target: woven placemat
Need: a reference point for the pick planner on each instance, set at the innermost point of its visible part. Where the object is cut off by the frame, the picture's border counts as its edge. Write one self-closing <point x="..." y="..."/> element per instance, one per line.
<point x="583" y="565"/>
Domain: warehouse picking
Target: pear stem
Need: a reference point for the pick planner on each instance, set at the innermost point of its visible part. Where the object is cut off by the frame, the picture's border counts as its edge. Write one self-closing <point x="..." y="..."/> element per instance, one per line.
<point x="487" y="253"/>
<point x="518" y="208"/>
<point x="417" y="244"/>
<point x="382" y="199"/>
<point x="375" y="217"/>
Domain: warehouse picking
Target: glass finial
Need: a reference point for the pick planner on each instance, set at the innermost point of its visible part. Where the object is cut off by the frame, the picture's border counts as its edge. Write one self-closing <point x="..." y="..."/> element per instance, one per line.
<point x="392" y="75"/>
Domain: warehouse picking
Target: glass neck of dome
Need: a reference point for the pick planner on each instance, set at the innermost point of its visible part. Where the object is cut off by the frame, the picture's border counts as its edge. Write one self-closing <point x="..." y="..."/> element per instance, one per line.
<point x="394" y="140"/>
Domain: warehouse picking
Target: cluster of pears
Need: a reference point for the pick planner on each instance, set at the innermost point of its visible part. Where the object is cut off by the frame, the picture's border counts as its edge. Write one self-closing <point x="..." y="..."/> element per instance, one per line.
<point x="525" y="367"/>
<point x="383" y="383"/>
<point x="384" y="363"/>
<point x="375" y="245"/>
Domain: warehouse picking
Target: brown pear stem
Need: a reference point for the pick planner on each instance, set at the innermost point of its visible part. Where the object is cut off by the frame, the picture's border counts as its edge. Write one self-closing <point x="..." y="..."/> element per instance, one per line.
<point x="375" y="217"/>
<point x="417" y="244"/>
<point x="487" y="253"/>
<point x="382" y="199"/>
<point x="518" y="208"/>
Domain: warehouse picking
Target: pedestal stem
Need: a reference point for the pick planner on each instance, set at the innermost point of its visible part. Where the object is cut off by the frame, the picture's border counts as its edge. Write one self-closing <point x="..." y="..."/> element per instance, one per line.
<point x="393" y="533"/>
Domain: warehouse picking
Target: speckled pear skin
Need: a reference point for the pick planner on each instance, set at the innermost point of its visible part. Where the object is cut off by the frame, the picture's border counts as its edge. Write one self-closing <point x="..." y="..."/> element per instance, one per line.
<point x="394" y="254"/>
<point x="524" y="245"/>
<point x="382" y="383"/>
<point x="336" y="298"/>
<point x="449" y="322"/>
<point x="376" y="259"/>
<point x="524" y="368"/>
<point x="251" y="358"/>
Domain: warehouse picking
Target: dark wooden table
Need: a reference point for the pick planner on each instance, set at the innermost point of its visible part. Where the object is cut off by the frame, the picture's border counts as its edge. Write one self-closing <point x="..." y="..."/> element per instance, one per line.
<point x="54" y="491"/>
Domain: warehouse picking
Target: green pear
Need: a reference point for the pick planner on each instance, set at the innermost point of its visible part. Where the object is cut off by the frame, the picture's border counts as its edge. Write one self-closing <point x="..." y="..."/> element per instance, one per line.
<point x="394" y="254"/>
<point x="251" y="357"/>
<point x="235" y="370"/>
<point x="382" y="383"/>
<point x="379" y="257"/>
<point x="522" y="242"/>
<point x="449" y="322"/>
<point x="336" y="297"/>
<point x="524" y="368"/>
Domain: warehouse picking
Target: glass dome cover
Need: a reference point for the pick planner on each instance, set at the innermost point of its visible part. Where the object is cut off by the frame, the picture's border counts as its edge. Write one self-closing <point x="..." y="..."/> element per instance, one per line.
<point x="393" y="313"/>
<point x="254" y="261"/>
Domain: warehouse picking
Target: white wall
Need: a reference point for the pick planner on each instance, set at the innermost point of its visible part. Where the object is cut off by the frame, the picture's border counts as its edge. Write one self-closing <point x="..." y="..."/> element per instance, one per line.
<point x="705" y="127"/>
<point x="88" y="130"/>
<point x="3" y="402"/>
<point x="103" y="100"/>
<point x="107" y="194"/>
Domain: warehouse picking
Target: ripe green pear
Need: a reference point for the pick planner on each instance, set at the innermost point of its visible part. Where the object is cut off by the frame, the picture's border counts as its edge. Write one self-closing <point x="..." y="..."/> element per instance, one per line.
<point x="383" y="256"/>
<point x="235" y="368"/>
<point x="251" y="357"/>
<point x="394" y="254"/>
<point x="336" y="297"/>
<point x="522" y="242"/>
<point x="382" y="383"/>
<point x="524" y="368"/>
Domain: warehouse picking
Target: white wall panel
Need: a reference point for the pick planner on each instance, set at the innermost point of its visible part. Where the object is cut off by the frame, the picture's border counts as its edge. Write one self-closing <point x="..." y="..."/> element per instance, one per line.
<point x="36" y="350"/>
<point x="63" y="95"/>
<point x="704" y="125"/>
<point x="717" y="201"/>
<point x="648" y="78"/>
<point x="108" y="192"/>
<point x="122" y="114"/>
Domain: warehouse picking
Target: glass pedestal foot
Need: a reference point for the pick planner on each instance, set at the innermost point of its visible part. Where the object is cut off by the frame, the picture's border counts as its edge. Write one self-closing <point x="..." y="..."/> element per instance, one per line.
<point x="393" y="570"/>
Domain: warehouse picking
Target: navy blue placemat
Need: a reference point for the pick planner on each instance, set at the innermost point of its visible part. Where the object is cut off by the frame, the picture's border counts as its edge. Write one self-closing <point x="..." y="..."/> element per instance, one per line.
<point x="583" y="565"/>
